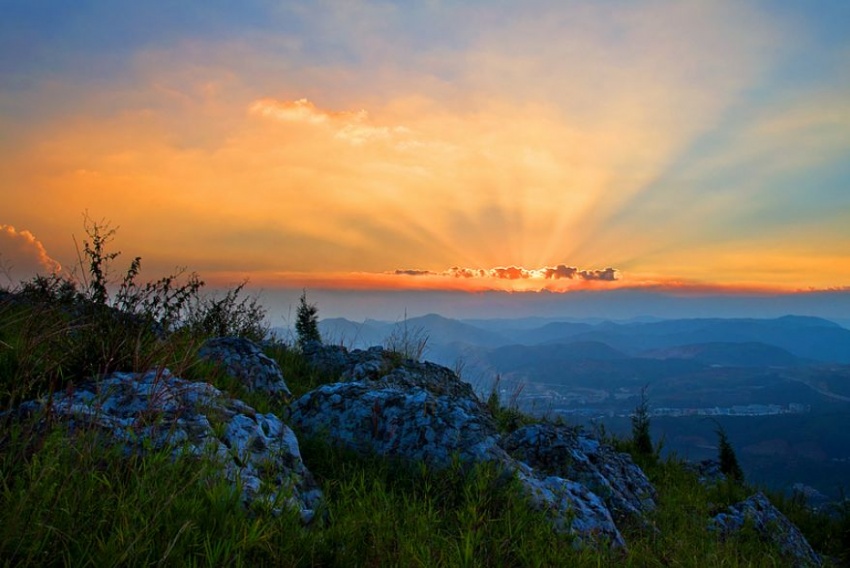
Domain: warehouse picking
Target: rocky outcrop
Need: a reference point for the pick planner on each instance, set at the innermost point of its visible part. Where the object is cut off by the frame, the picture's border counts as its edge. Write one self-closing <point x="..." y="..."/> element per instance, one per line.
<point x="708" y="471"/>
<point x="571" y="507"/>
<point x="566" y="452"/>
<point x="416" y="425"/>
<point x="411" y="423"/>
<point x="422" y="412"/>
<point x="156" y="410"/>
<point x="245" y="361"/>
<point x="333" y="360"/>
<point x="389" y="367"/>
<point x="757" y="511"/>
<point x="388" y="406"/>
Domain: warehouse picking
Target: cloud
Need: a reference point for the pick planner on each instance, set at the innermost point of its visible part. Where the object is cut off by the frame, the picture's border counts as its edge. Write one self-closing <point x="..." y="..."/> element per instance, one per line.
<point x="536" y="139"/>
<point x="458" y="272"/>
<point x="409" y="272"/>
<point x="510" y="273"/>
<point x="24" y="255"/>
<point x="558" y="272"/>
<point x="607" y="275"/>
<point x="352" y="127"/>
<point x="301" y="110"/>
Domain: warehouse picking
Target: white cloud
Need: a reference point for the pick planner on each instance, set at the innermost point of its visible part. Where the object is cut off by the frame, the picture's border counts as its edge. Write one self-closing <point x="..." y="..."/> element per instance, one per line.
<point x="353" y="127"/>
<point x="24" y="255"/>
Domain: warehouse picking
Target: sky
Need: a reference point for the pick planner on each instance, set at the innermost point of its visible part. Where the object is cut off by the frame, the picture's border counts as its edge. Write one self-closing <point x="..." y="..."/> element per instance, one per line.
<point x="444" y="147"/>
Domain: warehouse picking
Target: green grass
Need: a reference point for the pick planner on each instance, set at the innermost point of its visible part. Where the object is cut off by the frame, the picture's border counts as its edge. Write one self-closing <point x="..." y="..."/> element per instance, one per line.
<point x="69" y="499"/>
<point x="82" y="504"/>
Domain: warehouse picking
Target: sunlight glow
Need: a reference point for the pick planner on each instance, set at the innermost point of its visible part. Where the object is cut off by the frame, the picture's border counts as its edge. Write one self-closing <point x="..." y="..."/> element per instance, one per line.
<point x="658" y="140"/>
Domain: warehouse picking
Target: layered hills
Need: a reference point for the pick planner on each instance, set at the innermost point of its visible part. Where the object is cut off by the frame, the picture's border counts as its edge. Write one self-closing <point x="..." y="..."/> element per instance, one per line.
<point x="766" y="380"/>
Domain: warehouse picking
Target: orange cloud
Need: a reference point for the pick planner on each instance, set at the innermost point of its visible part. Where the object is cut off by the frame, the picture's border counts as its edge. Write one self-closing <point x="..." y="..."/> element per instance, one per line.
<point x="518" y="273"/>
<point x="559" y="278"/>
<point x="518" y="146"/>
<point x="24" y="255"/>
<point x="482" y="280"/>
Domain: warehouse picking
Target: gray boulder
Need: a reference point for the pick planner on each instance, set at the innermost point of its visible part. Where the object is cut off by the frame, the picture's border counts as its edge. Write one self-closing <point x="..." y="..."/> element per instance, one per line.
<point x="157" y="410"/>
<point x="387" y="367"/>
<point x="245" y="361"/>
<point x="330" y="360"/>
<point x="571" y="507"/>
<point x="434" y="378"/>
<point x="398" y="416"/>
<point x="362" y="364"/>
<point x="388" y="421"/>
<point x="708" y="471"/>
<point x="568" y="453"/>
<point x="771" y="525"/>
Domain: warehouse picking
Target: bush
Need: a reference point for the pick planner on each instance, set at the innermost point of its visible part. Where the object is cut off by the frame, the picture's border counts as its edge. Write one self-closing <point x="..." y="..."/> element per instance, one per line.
<point x="307" y="321"/>
<point x="229" y="316"/>
<point x="641" y="439"/>
<point x="59" y="329"/>
<point x="726" y="455"/>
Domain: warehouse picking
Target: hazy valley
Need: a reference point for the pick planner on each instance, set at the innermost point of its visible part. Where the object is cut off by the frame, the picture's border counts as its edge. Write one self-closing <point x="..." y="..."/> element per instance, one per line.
<point x="780" y="387"/>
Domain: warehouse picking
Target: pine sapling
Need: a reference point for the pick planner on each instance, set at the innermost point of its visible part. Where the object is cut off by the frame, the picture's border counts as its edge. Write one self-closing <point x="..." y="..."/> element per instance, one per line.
<point x="307" y="321"/>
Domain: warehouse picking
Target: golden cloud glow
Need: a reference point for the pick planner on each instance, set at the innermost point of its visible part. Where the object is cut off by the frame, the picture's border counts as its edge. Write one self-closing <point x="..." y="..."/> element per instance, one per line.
<point x="352" y="127"/>
<point x="613" y="145"/>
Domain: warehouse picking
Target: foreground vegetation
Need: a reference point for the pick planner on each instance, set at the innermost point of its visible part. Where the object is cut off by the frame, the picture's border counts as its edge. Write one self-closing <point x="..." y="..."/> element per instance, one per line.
<point x="67" y="499"/>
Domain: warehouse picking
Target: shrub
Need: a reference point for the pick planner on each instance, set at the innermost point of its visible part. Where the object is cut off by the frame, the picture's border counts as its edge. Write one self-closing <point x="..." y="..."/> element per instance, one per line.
<point x="641" y="439"/>
<point x="307" y="321"/>
<point x="58" y="329"/>
<point x="228" y="316"/>
<point x="726" y="455"/>
<point x="50" y="289"/>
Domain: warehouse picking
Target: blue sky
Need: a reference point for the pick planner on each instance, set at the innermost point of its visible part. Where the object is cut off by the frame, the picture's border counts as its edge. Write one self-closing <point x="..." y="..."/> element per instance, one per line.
<point x="380" y="145"/>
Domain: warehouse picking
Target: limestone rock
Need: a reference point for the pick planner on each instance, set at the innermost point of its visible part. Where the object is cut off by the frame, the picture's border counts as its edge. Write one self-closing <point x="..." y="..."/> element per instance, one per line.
<point x="811" y="496"/>
<point x="395" y="416"/>
<point x="388" y="367"/>
<point x="389" y="421"/>
<point x="361" y="364"/>
<point x="707" y="470"/>
<point x="563" y="500"/>
<point x="329" y="360"/>
<point x="245" y="361"/>
<point x="771" y="524"/>
<point x="157" y="410"/>
<point x="564" y="451"/>
<point x="434" y="378"/>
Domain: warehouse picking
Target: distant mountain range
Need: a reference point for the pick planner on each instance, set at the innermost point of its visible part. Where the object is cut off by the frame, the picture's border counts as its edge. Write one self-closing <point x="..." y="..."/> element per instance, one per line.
<point x="600" y="366"/>
<point x="783" y="341"/>
<point x="773" y="383"/>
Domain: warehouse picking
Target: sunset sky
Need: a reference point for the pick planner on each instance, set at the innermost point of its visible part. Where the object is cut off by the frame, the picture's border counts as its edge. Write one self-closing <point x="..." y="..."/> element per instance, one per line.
<point x="435" y="145"/>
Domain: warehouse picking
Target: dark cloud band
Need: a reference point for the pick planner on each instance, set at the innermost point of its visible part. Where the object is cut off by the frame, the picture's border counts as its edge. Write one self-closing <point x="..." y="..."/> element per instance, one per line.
<point x="561" y="271"/>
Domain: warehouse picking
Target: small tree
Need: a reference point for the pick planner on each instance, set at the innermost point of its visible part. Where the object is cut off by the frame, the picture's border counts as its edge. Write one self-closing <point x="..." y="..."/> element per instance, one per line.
<point x="640" y="426"/>
<point x="726" y="455"/>
<point x="307" y="321"/>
